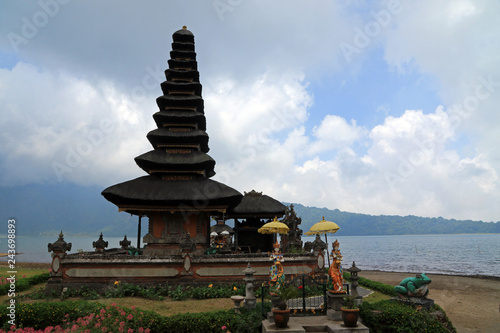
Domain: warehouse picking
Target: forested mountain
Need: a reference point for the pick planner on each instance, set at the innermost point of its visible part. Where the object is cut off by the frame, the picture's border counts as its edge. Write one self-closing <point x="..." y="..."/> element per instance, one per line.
<point x="76" y="210"/>
<point x="363" y="224"/>
<point x="81" y="210"/>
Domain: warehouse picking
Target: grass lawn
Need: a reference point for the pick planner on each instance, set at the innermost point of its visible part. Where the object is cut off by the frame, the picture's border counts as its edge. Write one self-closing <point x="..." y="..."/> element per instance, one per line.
<point x="23" y="269"/>
<point x="375" y="297"/>
<point x="21" y="272"/>
<point x="169" y="307"/>
<point x="166" y="307"/>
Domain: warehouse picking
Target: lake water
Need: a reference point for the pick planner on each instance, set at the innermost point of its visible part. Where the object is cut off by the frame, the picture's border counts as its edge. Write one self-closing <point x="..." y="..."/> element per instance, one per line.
<point x="464" y="254"/>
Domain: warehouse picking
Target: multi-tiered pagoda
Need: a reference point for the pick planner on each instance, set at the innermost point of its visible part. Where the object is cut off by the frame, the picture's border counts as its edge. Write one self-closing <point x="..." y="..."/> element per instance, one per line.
<point x="177" y="195"/>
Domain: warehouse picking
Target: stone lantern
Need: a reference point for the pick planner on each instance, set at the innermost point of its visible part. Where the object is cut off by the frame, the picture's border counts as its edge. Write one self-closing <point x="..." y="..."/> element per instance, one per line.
<point x="354" y="281"/>
<point x="250" y="300"/>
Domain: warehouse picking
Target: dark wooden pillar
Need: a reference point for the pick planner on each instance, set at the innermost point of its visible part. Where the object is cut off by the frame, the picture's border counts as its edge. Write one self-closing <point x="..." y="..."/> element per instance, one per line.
<point x="139" y="232"/>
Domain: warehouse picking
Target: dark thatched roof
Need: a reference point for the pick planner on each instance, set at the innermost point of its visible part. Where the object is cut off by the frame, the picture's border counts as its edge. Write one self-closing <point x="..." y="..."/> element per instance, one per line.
<point x="180" y="101"/>
<point x="182" y="74"/>
<point x="183" y="35"/>
<point x="153" y="191"/>
<point x="256" y="204"/>
<point x="180" y="117"/>
<point x="165" y="136"/>
<point x="161" y="160"/>
<point x="169" y="86"/>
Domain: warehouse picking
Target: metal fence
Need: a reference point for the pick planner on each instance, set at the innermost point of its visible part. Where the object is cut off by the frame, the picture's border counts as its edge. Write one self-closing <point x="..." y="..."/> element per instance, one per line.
<point x="312" y="295"/>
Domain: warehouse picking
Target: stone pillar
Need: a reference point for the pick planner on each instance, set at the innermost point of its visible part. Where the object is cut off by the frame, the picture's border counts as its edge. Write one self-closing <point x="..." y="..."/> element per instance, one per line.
<point x="58" y="249"/>
<point x="250" y="300"/>
<point x="334" y="303"/>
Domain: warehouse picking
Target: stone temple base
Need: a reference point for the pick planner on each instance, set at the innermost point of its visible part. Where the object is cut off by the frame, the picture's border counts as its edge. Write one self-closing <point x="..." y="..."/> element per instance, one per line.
<point x="103" y="270"/>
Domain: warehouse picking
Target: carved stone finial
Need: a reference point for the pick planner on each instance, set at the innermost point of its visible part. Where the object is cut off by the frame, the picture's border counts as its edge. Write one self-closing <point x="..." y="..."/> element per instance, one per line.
<point x="59" y="246"/>
<point x="253" y="193"/>
<point x="125" y="243"/>
<point x="100" y="244"/>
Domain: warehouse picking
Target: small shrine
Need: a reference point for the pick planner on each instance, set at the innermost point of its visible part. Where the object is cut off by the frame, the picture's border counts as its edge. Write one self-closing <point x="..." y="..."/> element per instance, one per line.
<point x="250" y="214"/>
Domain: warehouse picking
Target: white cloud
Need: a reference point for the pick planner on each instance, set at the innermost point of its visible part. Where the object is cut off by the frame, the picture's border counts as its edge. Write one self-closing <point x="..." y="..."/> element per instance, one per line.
<point x="56" y="126"/>
<point x="265" y="131"/>
<point x="334" y="132"/>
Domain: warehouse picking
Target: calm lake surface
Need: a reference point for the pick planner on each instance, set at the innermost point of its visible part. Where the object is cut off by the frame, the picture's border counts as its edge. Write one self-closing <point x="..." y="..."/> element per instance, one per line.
<point x="464" y="254"/>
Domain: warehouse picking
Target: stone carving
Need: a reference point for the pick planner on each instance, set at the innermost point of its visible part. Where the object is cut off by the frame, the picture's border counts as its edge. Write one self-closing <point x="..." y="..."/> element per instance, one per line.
<point x="414" y="286"/>
<point x="250" y="300"/>
<point x="100" y="244"/>
<point x="292" y="240"/>
<point x="60" y="245"/>
<point x="318" y="244"/>
<point x="335" y="271"/>
<point x="125" y="243"/>
<point x="187" y="244"/>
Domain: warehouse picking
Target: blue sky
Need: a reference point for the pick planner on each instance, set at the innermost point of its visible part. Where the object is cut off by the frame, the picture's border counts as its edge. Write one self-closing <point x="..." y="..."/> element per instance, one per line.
<point x="378" y="107"/>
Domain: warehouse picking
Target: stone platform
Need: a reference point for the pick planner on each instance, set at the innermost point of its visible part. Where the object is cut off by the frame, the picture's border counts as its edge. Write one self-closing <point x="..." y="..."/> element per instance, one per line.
<point x="313" y="324"/>
<point x="101" y="270"/>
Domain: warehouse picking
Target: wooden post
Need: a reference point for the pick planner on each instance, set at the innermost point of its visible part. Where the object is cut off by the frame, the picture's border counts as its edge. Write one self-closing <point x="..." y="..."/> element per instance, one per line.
<point x="236" y="226"/>
<point x="139" y="232"/>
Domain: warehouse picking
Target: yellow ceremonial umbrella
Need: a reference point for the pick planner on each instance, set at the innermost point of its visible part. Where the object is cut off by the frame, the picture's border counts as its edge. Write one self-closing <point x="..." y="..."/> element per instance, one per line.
<point x="274" y="227"/>
<point x="323" y="227"/>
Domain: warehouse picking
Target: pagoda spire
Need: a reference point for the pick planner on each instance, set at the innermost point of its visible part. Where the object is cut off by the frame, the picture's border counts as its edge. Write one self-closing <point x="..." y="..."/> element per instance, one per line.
<point x="178" y="166"/>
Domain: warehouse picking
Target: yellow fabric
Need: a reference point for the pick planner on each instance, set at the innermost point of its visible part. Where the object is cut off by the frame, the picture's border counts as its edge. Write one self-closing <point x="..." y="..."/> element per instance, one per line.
<point x="323" y="227"/>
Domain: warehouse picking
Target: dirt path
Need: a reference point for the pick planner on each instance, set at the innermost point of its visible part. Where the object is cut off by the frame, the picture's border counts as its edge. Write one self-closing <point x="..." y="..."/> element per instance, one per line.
<point x="472" y="304"/>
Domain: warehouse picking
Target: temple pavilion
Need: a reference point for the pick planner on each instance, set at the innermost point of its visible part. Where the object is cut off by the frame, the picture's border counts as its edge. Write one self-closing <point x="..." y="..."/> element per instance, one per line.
<point x="180" y="200"/>
<point x="177" y="195"/>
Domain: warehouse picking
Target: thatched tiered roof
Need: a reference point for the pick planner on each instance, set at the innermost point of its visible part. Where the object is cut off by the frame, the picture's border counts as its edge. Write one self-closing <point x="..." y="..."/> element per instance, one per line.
<point x="178" y="166"/>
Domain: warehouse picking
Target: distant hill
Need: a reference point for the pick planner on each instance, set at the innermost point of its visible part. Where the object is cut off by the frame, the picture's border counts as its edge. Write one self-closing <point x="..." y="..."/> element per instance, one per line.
<point x="45" y="210"/>
<point x="82" y="210"/>
<point x="352" y="224"/>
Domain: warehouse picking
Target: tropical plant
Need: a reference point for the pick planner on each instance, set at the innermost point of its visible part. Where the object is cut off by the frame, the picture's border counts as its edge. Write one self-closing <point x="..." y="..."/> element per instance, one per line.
<point x="350" y="303"/>
<point x="282" y="294"/>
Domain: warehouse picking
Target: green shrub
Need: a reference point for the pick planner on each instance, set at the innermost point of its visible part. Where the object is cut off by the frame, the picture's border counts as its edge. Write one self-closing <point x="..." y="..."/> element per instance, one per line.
<point x="391" y="316"/>
<point x="374" y="285"/>
<point x="42" y="315"/>
<point x="86" y="315"/>
<point x="25" y="283"/>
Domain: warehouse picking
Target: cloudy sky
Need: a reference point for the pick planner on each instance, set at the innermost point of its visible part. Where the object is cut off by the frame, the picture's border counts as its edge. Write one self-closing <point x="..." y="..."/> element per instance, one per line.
<point x="378" y="107"/>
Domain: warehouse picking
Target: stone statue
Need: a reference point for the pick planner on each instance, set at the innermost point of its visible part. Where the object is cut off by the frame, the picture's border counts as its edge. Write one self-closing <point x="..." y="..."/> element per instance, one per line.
<point x="276" y="274"/>
<point x="293" y="239"/>
<point x="335" y="271"/>
<point x="414" y="286"/>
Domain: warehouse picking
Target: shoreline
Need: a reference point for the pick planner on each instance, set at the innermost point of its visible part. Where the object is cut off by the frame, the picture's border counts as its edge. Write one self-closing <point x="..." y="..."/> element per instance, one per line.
<point x="474" y="276"/>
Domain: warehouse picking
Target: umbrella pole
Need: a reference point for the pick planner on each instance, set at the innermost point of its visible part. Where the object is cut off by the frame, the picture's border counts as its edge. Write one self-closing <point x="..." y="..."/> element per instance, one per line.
<point x="327" y="253"/>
